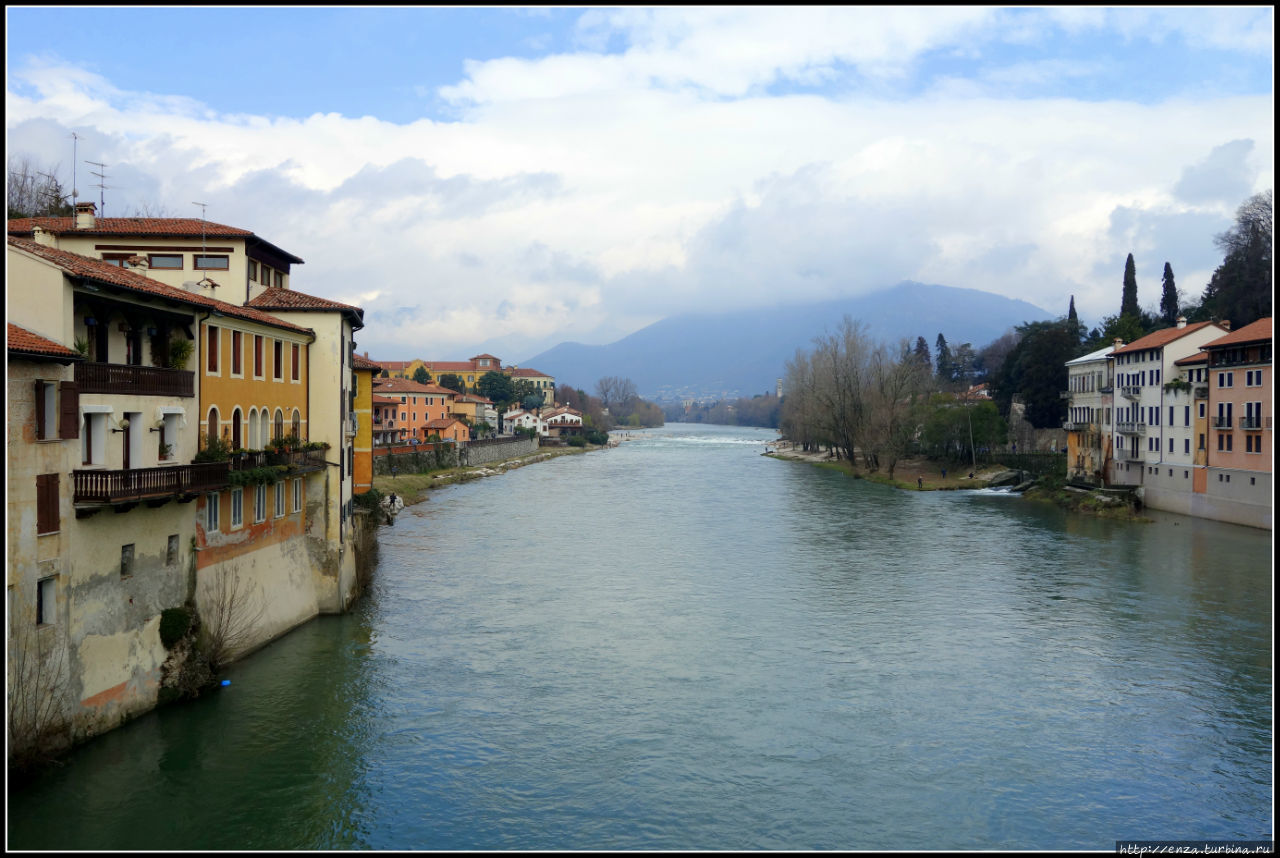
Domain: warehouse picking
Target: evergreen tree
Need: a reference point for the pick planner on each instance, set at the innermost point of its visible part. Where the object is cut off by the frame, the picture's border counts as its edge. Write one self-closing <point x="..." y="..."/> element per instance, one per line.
<point x="1169" y="298"/>
<point x="1129" y="298"/>
<point x="922" y="354"/>
<point x="1240" y="289"/>
<point x="944" y="366"/>
<point x="421" y="376"/>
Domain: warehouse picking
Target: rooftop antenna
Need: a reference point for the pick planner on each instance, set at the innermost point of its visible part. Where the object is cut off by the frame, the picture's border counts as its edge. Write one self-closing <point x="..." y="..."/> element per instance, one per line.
<point x="75" y="139"/>
<point x="101" y="186"/>
<point x="205" y="280"/>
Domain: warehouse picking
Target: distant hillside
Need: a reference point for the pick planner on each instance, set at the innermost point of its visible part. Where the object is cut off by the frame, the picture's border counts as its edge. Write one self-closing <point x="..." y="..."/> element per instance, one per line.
<point x="744" y="352"/>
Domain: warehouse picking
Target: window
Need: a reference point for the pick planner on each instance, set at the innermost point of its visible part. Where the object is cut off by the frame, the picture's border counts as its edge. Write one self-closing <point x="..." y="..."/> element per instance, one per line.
<point x="47" y="518"/>
<point x="171" y="553"/>
<point x="279" y="279"/>
<point x="1186" y="446"/>
<point x="165" y="260"/>
<point x="266" y="275"/>
<point x="93" y="438"/>
<point x="206" y="262"/>
<point x="279" y="498"/>
<point x="277" y="368"/>
<point x="1224" y="379"/>
<point x="1200" y="411"/>
<point x="237" y="508"/>
<point x="297" y="495"/>
<point x="259" y="502"/>
<point x="257" y="356"/>
<point x="212" y="350"/>
<point x="296" y="361"/>
<point x="253" y="271"/>
<point x="126" y="560"/>
<point x="46" y="600"/>
<point x="1186" y="416"/>
<point x="237" y="353"/>
<point x="1170" y="448"/>
<point x="279" y="427"/>
<point x="296" y="427"/>
<point x="211" y="425"/>
<point x="211" y="512"/>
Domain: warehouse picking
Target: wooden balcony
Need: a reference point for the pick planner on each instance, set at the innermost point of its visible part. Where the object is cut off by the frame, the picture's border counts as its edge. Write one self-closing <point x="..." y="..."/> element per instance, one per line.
<point x="138" y="380"/>
<point x="95" y="487"/>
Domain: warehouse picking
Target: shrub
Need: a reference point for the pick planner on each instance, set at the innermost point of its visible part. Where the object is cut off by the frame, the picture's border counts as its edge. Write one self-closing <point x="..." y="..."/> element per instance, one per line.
<point x="179" y="351"/>
<point x="215" y="450"/>
<point x="174" y="624"/>
<point x="576" y="441"/>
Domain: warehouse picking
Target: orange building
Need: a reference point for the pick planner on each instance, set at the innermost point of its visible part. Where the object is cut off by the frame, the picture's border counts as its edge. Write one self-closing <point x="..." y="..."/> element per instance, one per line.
<point x="419" y="404"/>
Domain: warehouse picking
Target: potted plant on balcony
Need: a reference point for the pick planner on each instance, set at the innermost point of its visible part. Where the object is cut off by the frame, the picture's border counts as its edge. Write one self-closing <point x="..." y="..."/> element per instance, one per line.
<point x="180" y="350"/>
<point x="166" y="450"/>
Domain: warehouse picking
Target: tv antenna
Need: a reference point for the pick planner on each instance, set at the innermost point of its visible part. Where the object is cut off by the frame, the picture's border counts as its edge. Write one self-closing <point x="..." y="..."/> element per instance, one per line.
<point x="101" y="186"/>
<point x="205" y="280"/>
<point x="75" y="139"/>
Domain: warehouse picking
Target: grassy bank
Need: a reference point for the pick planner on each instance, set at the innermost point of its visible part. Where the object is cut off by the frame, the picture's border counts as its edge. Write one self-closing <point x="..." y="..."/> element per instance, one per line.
<point x="413" y="488"/>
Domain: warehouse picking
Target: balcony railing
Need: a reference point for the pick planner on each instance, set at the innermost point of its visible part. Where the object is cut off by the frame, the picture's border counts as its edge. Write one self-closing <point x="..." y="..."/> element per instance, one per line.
<point x="267" y="458"/>
<point x="141" y="380"/>
<point x="1221" y="422"/>
<point x="1201" y="391"/>
<point x="1131" y="428"/>
<point x="1253" y="422"/>
<point x="1064" y="394"/>
<point x="1131" y="392"/>
<point x="136" y="484"/>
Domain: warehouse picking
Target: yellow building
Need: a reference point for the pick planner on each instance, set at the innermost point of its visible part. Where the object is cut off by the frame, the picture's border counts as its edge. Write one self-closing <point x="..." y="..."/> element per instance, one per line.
<point x="362" y="467"/>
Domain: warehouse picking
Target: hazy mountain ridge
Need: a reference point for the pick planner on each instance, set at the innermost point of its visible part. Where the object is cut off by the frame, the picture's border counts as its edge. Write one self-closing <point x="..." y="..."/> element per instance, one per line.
<point x="744" y="352"/>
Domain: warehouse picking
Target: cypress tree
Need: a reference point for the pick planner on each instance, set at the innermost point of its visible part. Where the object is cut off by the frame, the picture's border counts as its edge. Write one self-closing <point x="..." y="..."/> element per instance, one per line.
<point x="1169" y="298"/>
<point x="922" y="353"/>
<point x="946" y="372"/>
<point x="1129" y="298"/>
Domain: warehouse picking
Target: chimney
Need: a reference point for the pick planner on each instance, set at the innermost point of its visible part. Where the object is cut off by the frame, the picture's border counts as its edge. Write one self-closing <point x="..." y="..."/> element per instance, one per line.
<point x="1118" y="344"/>
<point x="1226" y="324"/>
<point x="1182" y="321"/>
<point x="85" y="216"/>
<point x="40" y="235"/>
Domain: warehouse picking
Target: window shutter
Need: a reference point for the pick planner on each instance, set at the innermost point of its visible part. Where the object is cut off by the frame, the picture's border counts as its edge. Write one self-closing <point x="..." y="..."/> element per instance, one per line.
<point x="41" y="417"/>
<point x="68" y="410"/>
<point x="46" y="503"/>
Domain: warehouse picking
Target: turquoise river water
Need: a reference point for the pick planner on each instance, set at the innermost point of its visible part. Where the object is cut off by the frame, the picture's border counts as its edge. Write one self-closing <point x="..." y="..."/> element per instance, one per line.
<point x="682" y="644"/>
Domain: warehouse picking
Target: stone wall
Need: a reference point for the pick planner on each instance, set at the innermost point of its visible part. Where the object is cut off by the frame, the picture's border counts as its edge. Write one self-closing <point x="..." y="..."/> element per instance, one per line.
<point x="498" y="449"/>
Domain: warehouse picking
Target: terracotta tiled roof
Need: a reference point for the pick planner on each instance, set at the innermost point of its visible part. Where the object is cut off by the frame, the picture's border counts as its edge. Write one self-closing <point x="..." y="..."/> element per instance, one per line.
<point x="1198" y="357"/>
<point x="291" y="299"/>
<point x="96" y="269"/>
<point x="22" y="341"/>
<point x="395" y="365"/>
<point x="385" y="400"/>
<point x="471" y="397"/>
<point x="406" y="385"/>
<point x="1161" y="338"/>
<point x="364" y="363"/>
<point x="154" y="227"/>
<point x="455" y="366"/>
<point x="1251" y="333"/>
<point x="441" y="423"/>
<point x="177" y="227"/>
<point x="527" y="373"/>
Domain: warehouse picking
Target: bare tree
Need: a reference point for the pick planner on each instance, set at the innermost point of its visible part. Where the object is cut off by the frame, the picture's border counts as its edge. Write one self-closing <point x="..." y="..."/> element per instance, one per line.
<point x="34" y="191"/>
<point x="231" y="619"/>
<point x="39" y="683"/>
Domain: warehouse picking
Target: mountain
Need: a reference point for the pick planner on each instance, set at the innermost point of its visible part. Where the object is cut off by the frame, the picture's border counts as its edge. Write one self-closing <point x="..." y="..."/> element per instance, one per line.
<point x="744" y="352"/>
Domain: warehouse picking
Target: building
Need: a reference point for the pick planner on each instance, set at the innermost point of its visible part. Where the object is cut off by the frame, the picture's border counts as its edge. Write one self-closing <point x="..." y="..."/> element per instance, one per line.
<point x="420" y="404"/>
<point x="1088" y="423"/>
<point x="1142" y="430"/>
<point x="561" y="421"/>
<point x="542" y="383"/>
<point x="366" y="372"/>
<point x="1238" y="478"/>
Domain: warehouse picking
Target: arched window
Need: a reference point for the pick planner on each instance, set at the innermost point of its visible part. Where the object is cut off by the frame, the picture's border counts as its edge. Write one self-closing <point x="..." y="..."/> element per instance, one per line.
<point x="254" y="443"/>
<point x="211" y="427"/>
<point x="236" y="418"/>
<point x="279" y="427"/>
<point x="297" y="424"/>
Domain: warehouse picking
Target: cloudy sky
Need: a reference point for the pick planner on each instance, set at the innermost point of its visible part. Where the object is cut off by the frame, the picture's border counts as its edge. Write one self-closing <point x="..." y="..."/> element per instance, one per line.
<point x="506" y="179"/>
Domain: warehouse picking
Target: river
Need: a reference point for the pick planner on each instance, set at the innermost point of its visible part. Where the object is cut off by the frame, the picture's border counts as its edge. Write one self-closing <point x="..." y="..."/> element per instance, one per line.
<point x="682" y="644"/>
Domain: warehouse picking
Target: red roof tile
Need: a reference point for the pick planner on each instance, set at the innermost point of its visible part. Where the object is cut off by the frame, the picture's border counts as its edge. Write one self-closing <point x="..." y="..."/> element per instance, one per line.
<point x="156" y="227"/>
<point x="277" y="299"/>
<point x="23" y="341"/>
<point x="359" y="362"/>
<point x="405" y="385"/>
<point x="96" y="269"/>
<point x="1158" y="339"/>
<point x="1251" y="333"/>
<point x="527" y="373"/>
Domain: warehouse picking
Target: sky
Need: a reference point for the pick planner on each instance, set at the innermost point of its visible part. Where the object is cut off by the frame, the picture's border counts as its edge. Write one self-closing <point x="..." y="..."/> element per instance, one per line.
<point x="502" y="180"/>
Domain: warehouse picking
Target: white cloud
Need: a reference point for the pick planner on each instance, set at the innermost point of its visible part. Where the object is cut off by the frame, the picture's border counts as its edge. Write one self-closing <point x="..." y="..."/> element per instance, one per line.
<point x="578" y="196"/>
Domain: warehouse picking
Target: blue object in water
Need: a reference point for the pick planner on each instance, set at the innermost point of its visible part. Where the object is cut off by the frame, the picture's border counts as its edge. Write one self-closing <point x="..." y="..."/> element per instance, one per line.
<point x="226" y="682"/>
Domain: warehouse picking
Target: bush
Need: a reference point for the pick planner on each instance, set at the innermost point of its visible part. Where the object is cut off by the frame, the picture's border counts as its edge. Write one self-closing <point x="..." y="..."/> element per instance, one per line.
<point x="215" y="450"/>
<point x="174" y="624"/>
<point x="576" y="441"/>
<point x="370" y="500"/>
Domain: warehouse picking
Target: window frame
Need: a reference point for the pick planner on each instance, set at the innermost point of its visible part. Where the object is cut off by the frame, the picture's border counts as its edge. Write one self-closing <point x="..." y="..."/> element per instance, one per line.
<point x="225" y="266"/>
<point x="152" y="257"/>
<point x="237" y="508"/>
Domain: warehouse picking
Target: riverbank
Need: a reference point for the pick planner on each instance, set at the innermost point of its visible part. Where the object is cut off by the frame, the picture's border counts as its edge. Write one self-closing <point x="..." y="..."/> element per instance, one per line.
<point x="908" y="474"/>
<point x="414" y="488"/>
